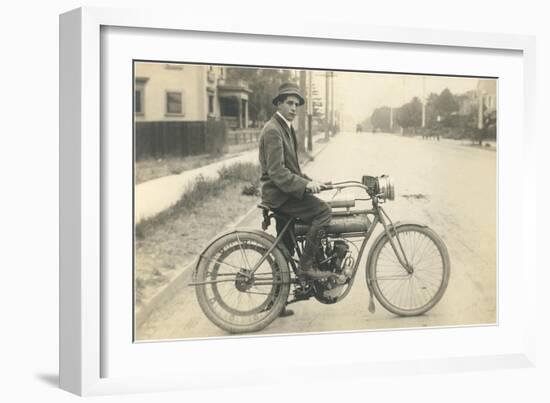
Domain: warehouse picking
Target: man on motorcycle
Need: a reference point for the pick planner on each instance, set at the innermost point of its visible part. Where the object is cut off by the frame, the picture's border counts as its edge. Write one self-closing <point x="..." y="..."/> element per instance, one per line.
<point x="285" y="188"/>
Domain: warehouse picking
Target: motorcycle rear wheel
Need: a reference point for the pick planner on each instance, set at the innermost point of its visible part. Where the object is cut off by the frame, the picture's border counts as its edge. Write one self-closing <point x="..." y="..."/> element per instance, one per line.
<point x="233" y="301"/>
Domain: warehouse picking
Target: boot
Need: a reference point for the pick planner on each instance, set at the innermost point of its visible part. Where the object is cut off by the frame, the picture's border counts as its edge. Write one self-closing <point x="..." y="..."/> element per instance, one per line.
<point x="306" y="265"/>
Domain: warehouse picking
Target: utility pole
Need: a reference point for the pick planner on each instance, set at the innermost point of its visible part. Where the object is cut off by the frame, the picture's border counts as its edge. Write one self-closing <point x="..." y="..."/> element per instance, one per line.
<point x="327" y="136"/>
<point x="309" y="112"/>
<point x="302" y="114"/>
<point x="481" y="95"/>
<point x="332" y="101"/>
<point x="424" y="100"/>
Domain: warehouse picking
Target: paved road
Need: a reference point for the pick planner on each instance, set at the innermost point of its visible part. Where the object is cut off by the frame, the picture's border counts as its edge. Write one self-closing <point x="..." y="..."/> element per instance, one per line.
<point x="448" y="186"/>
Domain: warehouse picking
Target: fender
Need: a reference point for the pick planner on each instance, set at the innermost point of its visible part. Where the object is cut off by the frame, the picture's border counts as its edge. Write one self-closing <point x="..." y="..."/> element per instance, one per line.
<point x="268" y="237"/>
<point x="381" y="237"/>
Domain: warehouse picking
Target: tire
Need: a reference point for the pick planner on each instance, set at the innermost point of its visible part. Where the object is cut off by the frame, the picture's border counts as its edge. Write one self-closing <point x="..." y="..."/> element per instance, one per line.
<point x="412" y="294"/>
<point x="235" y="305"/>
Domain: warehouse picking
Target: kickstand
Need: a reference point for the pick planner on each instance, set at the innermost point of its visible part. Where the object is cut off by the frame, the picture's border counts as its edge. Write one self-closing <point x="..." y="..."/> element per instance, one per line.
<point x="372" y="309"/>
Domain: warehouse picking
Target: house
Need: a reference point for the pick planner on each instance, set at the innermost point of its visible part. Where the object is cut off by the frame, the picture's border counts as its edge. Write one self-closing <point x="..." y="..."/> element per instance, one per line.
<point x="182" y="109"/>
<point x="487" y="96"/>
<point x="487" y="91"/>
<point x="187" y="92"/>
<point x="467" y="102"/>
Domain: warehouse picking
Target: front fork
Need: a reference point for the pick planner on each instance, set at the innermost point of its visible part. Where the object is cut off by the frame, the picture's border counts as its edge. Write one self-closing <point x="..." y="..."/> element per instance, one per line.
<point x="397" y="247"/>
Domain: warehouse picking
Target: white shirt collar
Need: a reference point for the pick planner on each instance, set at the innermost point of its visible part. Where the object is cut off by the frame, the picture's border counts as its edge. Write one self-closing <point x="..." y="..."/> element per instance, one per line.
<point x="289" y="124"/>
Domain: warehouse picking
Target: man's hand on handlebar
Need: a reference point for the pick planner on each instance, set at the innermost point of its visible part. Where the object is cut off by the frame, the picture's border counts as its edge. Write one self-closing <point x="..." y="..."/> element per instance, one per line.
<point x="316" y="187"/>
<point x="313" y="187"/>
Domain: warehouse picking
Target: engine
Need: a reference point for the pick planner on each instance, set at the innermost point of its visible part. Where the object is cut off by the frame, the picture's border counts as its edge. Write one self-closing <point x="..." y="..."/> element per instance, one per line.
<point x="335" y="253"/>
<point x="334" y="256"/>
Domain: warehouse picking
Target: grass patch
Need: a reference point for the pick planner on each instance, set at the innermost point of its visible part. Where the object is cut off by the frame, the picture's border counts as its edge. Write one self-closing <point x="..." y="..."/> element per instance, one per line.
<point x="170" y="241"/>
<point x="151" y="168"/>
<point x="240" y="171"/>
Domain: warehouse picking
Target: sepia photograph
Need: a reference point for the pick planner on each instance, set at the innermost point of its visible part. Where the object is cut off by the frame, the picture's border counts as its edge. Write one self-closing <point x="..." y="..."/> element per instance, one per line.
<point x="271" y="200"/>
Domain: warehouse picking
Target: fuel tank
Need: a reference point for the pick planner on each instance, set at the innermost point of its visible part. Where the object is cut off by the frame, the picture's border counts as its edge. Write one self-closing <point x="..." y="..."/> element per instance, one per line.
<point x="340" y="223"/>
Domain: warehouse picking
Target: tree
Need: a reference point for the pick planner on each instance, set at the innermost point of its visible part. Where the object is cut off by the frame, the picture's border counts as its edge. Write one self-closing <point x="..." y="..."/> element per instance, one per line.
<point x="410" y="114"/>
<point x="380" y="119"/>
<point x="488" y="131"/>
<point x="446" y="104"/>
<point x="431" y="110"/>
<point x="264" y="84"/>
<point x="366" y="125"/>
<point x="490" y="124"/>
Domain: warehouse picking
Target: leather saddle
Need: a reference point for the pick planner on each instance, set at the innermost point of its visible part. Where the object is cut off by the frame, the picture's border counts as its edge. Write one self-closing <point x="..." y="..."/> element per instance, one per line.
<point x="289" y="239"/>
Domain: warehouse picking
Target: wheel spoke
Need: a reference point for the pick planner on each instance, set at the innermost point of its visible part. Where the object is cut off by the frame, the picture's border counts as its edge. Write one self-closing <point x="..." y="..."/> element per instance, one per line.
<point x="407" y="294"/>
<point x="233" y="297"/>
<point x="243" y="252"/>
<point x="221" y="262"/>
<point x="396" y="277"/>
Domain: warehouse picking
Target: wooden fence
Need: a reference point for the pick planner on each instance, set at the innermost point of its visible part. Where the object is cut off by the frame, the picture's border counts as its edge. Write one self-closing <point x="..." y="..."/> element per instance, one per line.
<point x="243" y="136"/>
<point x="171" y="139"/>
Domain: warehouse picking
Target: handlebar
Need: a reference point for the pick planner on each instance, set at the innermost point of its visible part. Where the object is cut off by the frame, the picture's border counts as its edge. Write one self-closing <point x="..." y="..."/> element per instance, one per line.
<point x="340" y="185"/>
<point x="380" y="188"/>
<point x="344" y="185"/>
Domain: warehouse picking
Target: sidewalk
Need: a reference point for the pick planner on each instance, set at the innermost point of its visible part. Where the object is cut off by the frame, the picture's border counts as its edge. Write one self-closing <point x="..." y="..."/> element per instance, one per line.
<point x="488" y="145"/>
<point x="155" y="196"/>
<point x="182" y="276"/>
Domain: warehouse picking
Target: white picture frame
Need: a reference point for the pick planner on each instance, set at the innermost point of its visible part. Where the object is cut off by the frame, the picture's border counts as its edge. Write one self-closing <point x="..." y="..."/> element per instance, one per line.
<point x="84" y="346"/>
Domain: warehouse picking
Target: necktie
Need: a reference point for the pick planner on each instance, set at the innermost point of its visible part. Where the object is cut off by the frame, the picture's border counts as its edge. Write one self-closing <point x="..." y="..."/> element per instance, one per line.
<point x="292" y="138"/>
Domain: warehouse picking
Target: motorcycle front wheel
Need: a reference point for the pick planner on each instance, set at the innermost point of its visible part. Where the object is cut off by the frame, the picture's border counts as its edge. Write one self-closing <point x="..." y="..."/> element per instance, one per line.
<point x="415" y="293"/>
<point x="231" y="296"/>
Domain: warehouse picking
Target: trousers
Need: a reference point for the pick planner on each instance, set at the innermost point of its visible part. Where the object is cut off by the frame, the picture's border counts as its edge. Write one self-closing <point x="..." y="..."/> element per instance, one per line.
<point x="313" y="212"/>
<point x="310" y="209"/>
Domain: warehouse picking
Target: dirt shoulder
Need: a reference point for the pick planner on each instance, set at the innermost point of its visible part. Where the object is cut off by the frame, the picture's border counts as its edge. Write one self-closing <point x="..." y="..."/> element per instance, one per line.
<point x="151" y="168"/>
<point x="169" y="242"/>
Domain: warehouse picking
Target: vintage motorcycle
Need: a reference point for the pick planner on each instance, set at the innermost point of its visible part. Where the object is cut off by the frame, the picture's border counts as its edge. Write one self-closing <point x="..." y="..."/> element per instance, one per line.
<point x="243" y="278"/>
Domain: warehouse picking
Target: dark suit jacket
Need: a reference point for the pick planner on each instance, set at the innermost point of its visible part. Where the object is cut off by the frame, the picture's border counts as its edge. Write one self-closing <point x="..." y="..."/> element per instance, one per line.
<point x="281" y="174"/>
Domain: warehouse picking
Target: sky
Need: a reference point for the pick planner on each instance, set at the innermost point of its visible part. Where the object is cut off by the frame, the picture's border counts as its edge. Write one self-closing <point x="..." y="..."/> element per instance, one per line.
<point x="358" y="94"/>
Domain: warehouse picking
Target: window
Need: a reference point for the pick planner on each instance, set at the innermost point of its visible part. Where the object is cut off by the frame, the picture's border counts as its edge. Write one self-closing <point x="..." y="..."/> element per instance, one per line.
<point x="174" y="103"/>
<point x="173" y="67"/>
<point x="139" y="96"/>
<point x="139" y="101"/>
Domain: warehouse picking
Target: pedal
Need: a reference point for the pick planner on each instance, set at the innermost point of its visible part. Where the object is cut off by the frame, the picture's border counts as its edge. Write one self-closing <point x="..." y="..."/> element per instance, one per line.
<point x="303" y="291"/>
